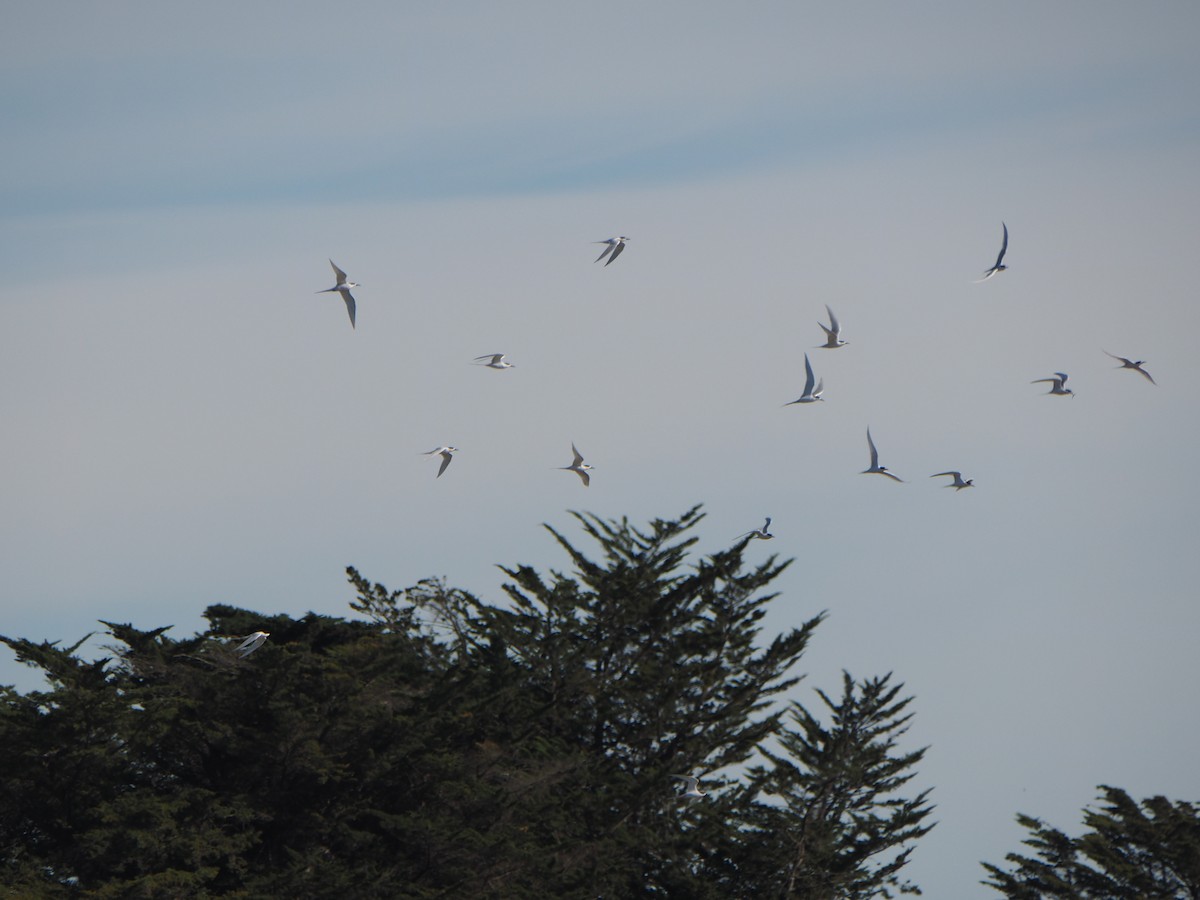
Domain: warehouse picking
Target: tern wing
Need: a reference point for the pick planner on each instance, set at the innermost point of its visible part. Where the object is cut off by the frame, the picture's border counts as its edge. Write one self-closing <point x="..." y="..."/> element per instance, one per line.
<point x="833" y="322"/>
<point x="341" y="276"/>
<point x="1147" y="374"/>
<point x="1003" y="249"/>
<point x="607" y="250"/>
<point x="690" y="783"/>
<point x="616" y="251"/>
<point x="955" y="475"/>
<point x="583" y="476"/>
<point x="250" y="640"/>
<point x="809" y="380"/>
<point x="350" y="305"/>
<point x="578" y="456"/>
<point x="874" y="452"/>
<point x="1122" y="359"/>
<point x="446" y="457"/>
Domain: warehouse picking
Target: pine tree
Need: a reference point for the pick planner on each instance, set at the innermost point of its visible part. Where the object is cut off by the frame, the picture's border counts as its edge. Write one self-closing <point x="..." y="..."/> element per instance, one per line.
<point x="643" y="669"/>
<point x="833" y="805"/>
<point x="1151" y="850"/>
<point x="441" y="746"/>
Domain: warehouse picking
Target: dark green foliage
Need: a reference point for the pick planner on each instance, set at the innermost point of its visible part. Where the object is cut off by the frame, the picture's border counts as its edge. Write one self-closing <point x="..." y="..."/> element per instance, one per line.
<point x="1151" y="851"/>
<point x="838" y="785"/>
<point x="444" y="747"/>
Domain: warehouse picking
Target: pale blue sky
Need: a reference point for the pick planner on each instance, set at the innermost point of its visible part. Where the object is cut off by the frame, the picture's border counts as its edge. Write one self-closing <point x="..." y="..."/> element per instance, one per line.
<point x="186" y="422"/>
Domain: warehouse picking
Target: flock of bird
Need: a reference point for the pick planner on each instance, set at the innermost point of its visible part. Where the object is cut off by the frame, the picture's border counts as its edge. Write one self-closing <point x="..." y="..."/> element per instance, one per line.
<point x="813" y="388"/>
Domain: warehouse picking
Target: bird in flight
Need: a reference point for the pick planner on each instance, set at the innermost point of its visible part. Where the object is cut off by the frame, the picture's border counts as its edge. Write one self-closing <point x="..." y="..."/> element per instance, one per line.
<point x="958" y="483"/>
<point x="762" y="534"/>
<point x="809" y="395"/>
<point x="343" y="287"/>
<point x="445" y="454"/>
<point x="999" y="265"/>
<point x="496" y="361"/>
<point x="691" y="787"/>
<point x="876" y="468"/>
<point x="615" y="246"/>
<point x="1130" y="364"/>
<point x="833" y="334"/>
<point x="252" y="643"/>
<point x="579" y="467"/>
<point x="1057" y="384"/>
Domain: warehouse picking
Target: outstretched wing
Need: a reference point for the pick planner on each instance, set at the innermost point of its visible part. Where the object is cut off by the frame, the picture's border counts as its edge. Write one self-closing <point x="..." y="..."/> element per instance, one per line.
<point x="874" y="452"/>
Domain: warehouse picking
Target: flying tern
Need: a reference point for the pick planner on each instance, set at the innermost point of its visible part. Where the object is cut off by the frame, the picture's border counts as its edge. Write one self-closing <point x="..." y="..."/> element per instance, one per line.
<point x="876" y="468"/>
<point x="1057" y="384"/>
<point x="958" y="483"/>
<point x="762" y="534"/>
<point x="445" y="454"/>
<point x="252" y="643"/>
<point x="496" y="361"/>
<point x="343" y="287"/>
<point x="579" y="467"/>
<point x="615" y="246"/>
<point x="1130" y="364"/>
<point x="833" y="334"/>
<point x="809" y="395"/>
<point x="691" y="787"/>
<point x="999" y="266"/>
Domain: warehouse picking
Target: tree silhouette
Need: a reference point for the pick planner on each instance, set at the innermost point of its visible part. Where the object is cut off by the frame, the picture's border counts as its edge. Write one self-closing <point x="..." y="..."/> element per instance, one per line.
<point x="441" y="746"/>
<point x="1146" y="850"/>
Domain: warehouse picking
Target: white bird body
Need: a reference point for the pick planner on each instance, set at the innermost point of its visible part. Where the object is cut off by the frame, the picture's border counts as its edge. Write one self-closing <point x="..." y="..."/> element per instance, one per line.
<point x="691" y="787"/>
<point x="1131" y="364"/>
<point x="876" y="468"/>
<point x="579" y="467"/>
<point x="613" y="250"/>
<point x="809" y="395"/>
<point x="762" y="534"/>
<point x="998" y="267"/>
<point x="343" y="287"/>
<point x="1057" y="384"/>
<point x="444" y="452"/>
<point x="252" y="643"/>
<point x="958" y="483"/>
<point x="495" y="361"/>
<point x="833" y="334"/>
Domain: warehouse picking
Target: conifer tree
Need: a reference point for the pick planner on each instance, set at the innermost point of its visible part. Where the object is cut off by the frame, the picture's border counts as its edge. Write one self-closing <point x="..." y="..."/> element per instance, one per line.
<point x="833" y="790"/>
<point x="442" y="746"/>
<point x="1149" y="850"/>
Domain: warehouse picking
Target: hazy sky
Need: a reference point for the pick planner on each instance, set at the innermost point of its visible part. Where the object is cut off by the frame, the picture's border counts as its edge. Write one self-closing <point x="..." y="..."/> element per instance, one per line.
<point x="186" y="422"/>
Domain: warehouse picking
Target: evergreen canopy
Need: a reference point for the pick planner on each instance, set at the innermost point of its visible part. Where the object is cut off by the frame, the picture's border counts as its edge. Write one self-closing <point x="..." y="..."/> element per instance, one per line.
<point x="440" y="746"/>
<point x="1130" y="852"/>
